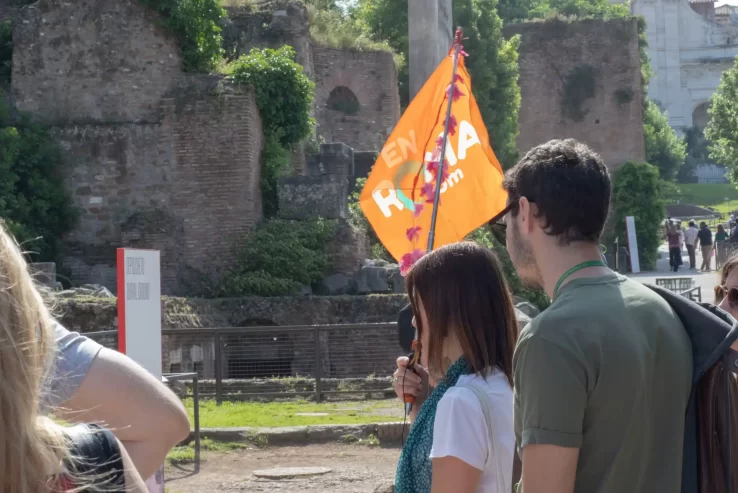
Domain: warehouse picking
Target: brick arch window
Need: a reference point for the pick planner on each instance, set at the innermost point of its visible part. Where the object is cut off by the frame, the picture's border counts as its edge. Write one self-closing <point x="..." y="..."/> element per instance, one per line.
<point x="344" y="100"/>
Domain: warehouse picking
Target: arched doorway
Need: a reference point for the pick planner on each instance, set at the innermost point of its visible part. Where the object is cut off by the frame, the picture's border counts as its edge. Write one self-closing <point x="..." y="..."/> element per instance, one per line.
<point x="344" y="100"/>
<point x="700" y="117"/>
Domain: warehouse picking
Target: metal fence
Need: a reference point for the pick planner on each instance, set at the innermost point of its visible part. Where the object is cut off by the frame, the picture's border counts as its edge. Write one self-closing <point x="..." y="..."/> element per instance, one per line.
<point x="281" y="361"/>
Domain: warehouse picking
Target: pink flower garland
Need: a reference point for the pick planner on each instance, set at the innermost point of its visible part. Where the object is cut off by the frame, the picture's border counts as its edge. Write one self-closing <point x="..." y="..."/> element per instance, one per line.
<point x="428" y="190"/>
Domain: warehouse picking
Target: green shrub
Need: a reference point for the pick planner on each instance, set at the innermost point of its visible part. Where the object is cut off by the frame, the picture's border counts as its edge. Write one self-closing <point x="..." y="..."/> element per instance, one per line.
<point x="278" y="258"/>
<point x="33" y="200"/>
<point x="637" y="191"/>
<point x="196" y="24"/>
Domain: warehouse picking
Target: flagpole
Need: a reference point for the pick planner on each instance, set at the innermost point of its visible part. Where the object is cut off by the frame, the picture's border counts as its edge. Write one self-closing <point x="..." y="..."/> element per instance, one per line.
<point x="442" y="157"/>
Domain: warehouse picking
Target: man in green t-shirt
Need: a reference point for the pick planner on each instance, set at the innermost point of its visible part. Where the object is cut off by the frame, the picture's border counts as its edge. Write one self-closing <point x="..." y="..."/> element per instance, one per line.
<point x="603" y="376"/>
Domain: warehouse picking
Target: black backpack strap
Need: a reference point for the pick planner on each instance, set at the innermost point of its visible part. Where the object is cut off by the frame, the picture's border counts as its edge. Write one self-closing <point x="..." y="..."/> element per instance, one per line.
<point x="96" y="459"/>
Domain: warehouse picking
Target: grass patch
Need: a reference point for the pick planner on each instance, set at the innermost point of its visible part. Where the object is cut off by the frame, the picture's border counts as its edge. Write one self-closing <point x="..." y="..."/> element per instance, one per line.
<point x="723" y="197"/>
<point x="279" y="414"/>
<point x="185" y="454"/>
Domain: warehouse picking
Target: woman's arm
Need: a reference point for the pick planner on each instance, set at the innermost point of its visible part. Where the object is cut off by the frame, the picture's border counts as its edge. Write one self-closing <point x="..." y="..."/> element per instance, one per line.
<point x="141" y="411"/>
<point x="452" y="475"/>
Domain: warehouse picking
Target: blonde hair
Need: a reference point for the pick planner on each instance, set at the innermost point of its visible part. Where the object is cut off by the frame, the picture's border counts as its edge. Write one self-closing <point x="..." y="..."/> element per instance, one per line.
<point x="32" y="447"/>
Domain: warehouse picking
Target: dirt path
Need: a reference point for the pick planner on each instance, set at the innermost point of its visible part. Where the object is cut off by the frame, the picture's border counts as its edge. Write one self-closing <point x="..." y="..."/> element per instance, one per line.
<point x="355" y="469"/>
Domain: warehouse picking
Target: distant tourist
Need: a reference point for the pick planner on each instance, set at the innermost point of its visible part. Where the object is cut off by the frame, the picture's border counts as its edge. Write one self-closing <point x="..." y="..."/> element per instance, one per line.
<point x="705" y="237"/>
<point x="603" y="376"/>
<point x="690" y="240"/>
<point x="721" y="234"/>
<point x="462" y="438"/>
<point x="674" y="239"/>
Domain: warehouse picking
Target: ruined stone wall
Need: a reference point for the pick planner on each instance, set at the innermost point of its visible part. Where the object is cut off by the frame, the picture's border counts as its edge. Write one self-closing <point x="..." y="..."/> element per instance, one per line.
<point x="369" y="78"/>
<point x="153" y="158"/>
<point x="6" y="9"/>
<point x="582" y="80"/>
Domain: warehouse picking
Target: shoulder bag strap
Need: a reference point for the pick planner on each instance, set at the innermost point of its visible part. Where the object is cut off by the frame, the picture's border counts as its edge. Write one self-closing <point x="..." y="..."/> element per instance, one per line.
<point x="483" y="398"/>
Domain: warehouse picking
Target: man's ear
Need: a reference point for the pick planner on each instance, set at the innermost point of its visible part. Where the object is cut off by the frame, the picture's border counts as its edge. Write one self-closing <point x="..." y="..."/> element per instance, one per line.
<point x="526" y="217"/>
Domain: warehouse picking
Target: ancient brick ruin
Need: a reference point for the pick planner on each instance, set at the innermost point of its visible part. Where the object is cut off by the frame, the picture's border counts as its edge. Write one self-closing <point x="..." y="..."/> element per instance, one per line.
<point x="599" y="63"/>
<point x="152" y="154"/>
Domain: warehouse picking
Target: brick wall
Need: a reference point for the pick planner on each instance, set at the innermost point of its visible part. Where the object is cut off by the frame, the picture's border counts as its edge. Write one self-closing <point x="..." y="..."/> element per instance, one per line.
<point x="153" y="158"/>
<point x="553" y="52"/>
<point x="371" y="76"/>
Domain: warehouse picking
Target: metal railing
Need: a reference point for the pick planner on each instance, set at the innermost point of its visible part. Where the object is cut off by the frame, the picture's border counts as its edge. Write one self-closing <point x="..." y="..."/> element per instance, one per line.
<point x="247" y="363"/>
<point x="693" y="294"/>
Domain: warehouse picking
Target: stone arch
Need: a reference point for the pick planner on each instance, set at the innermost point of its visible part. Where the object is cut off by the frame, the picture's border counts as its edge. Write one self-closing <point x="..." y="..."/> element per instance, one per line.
<point x="700" y="118"/>
<point x="343" y="99"/>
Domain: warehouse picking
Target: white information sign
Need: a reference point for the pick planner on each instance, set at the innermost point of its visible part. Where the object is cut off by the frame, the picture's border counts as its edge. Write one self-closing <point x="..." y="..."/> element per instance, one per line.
<point x="139" y="307"/>
<point x="635" y="263"/>
<point x="139" y="319"/>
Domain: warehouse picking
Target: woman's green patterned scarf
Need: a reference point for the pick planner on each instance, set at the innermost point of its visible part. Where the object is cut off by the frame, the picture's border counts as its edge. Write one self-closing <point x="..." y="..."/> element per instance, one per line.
<point x="414" y="472"/>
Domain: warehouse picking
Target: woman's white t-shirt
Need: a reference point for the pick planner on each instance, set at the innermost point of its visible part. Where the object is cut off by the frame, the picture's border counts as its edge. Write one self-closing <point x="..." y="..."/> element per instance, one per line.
<point x="461" y="431"/>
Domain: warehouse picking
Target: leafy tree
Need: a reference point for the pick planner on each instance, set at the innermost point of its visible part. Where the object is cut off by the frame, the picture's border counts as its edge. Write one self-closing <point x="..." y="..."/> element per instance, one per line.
<point x="637" y="191"/>
<point x="6" y="50"/>
<point x="722" y="130"/>
<point x="33" y="200"/>
<point x="664" y="149"/>
<point x="492" y="61"/>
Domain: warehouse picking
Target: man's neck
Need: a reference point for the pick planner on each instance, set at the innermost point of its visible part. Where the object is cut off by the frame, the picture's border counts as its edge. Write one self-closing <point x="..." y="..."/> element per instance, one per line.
<point x="562" y="258"/>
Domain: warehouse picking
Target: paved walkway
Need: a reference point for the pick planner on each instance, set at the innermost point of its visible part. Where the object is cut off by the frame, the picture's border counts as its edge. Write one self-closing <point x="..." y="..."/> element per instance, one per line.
<point x="706" y="280"/>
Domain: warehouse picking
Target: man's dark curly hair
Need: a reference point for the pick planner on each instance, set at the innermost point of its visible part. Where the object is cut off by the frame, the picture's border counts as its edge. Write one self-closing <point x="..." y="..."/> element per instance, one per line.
<point x="570" y="185"/>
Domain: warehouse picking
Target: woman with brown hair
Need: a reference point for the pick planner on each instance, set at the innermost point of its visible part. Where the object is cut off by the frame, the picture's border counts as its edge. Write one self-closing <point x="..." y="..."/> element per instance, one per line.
<point x="462" y="438"/>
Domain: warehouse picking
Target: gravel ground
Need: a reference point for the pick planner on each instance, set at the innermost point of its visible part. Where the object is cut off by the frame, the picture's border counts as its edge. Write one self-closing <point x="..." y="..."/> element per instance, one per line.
<point x="355" y="469"/>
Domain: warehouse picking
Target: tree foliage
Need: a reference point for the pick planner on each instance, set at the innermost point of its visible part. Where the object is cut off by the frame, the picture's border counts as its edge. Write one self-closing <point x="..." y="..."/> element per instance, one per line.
<point x="284" y="95"/>
<point x="197" y="26"/>
<point x="698" y="152"/>
<point x="33" y="199"/>
<point x="6" y="51"/>
<point x="664" y="149"/>
<point x="722" y="130"/>
<point x="638" y="191"/>
<point x="492" y="61"/>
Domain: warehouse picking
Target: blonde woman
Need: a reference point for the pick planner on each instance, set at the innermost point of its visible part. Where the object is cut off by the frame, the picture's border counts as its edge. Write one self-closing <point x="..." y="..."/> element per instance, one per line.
<point x="36" y="454"/>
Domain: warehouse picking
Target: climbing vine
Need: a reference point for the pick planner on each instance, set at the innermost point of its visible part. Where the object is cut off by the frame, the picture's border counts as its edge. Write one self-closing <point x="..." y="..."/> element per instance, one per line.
<point x="579" y="86"/>
<point x="284" y="95"/>
<point x="196" y="24"/>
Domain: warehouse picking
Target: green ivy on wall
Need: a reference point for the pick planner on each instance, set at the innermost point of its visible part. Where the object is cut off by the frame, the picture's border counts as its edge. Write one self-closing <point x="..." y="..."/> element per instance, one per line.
<point x="284" y="95"/>
<point x="196" y="24"/>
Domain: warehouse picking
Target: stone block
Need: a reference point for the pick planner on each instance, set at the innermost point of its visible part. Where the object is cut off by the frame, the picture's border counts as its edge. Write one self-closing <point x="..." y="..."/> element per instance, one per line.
<point x="303" y="197"/>
<point x="334" y="284"/>
<point x="372" y="279"/>
<point x="337" y="159"/>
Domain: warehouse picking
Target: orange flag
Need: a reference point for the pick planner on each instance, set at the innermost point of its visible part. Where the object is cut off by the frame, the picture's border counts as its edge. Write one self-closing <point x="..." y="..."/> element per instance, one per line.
<point x="398" y="196"/>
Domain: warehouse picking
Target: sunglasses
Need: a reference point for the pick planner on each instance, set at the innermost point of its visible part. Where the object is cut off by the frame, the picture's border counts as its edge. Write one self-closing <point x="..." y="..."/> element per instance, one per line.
<point x="732" y="293"/>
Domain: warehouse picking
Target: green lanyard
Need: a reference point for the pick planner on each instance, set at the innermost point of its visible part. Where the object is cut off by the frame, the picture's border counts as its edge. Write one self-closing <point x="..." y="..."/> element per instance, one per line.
<point x="578" y="267"/>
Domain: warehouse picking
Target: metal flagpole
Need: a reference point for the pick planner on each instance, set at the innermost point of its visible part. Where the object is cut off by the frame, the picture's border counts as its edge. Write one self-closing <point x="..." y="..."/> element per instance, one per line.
<point x="442" y="157"/>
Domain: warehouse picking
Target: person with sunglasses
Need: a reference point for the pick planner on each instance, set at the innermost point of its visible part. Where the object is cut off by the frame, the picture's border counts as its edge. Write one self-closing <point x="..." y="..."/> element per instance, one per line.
<point x="726" y="293"/>
<point x="603" y="376"/>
